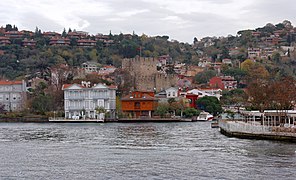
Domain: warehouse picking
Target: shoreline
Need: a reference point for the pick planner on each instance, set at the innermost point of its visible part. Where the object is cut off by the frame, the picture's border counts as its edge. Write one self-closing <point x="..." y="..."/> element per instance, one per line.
<point x="62" y="120"/>
<point x="247" y="131"/>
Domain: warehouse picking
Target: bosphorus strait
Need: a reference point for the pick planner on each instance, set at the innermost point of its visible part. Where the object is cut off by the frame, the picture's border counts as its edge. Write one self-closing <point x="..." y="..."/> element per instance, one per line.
<point x="138" y="151"/>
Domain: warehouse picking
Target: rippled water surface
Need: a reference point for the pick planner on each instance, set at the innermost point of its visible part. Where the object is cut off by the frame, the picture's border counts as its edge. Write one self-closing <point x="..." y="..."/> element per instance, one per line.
<point x="138" y="151"/>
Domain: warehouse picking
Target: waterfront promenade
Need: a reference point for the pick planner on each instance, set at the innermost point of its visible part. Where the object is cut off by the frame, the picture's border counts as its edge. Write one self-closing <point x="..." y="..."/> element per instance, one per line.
<point x="255" y="130"/>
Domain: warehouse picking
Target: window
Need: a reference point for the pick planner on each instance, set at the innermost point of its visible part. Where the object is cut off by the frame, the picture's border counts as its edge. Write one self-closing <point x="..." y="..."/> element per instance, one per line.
<point x="137" y="105"/>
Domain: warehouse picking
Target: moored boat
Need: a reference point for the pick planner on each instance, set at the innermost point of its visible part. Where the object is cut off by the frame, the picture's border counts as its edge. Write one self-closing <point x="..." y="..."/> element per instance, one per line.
<point x="204" y="116"/>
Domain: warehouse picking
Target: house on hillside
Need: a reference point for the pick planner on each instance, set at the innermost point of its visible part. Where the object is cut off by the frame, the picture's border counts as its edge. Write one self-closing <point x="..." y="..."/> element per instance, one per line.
<point x="253" y="53"/>
<point x="77" y="34"/>
<point x="4" y="41"/>
<point x="14" y="34"/>
<point x="86" y="43"/>
<point x="139" y="103"/>
<point x="90" y="67"/>
<point x="206" y="92"/>
<point x="83" y="100"/>
<point x="13" y="95"/>
<point x="223" y="82"/>
<point x="172" y="92"/>
<point x="59" y="41"/>
<point x="29" y="43"/>
<point x="50" y="34"/>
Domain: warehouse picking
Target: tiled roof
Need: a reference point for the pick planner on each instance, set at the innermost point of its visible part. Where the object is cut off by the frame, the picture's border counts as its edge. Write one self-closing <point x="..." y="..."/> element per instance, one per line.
<point x="143" y="98"/>
<point x="10" y="82"/>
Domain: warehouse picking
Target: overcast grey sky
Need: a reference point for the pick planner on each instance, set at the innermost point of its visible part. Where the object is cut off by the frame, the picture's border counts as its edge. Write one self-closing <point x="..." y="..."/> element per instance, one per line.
<point x="181" y="20"/>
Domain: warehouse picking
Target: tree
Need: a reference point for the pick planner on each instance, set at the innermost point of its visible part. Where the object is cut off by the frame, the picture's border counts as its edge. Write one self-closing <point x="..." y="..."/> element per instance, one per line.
<point x="209" y="104"/>
<point x="236" y="97"/>
<point x="237" y="73"/>
<point x="247" y="65"/>
<point x="42" y="103"/>
<point x="204" y="76"/>
<point x="260" y="93"/>
<point x="190" y="112"/>
<point x="64" y="33"/>
<point x="162" y="109"/>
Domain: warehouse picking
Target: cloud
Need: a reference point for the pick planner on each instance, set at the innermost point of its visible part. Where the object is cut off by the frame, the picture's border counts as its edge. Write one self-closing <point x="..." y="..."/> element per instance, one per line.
<point x="180" y="19"/>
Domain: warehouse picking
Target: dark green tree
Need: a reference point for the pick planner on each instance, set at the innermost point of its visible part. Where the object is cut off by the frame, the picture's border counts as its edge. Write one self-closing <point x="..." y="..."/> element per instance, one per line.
<point x="204" y="76"/>
<point x="209" y="104"/>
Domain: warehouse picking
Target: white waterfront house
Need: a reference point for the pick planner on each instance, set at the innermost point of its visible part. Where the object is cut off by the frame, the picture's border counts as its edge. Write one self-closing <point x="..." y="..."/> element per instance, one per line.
<point x="84" y="101"/>
<point x="13" y="95"/>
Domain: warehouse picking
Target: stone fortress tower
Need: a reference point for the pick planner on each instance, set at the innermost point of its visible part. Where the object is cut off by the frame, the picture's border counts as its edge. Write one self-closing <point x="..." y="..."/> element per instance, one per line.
<point x="145" y="74"/>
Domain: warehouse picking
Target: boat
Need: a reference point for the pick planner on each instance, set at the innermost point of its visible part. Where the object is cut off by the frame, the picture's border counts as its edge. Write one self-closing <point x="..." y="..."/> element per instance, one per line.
<point x="215" y="124"/>
<point x="204" y="116"/>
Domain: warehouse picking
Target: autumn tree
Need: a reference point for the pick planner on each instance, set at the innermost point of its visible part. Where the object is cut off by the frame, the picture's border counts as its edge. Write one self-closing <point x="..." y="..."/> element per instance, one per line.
<point x="272" y="94"/>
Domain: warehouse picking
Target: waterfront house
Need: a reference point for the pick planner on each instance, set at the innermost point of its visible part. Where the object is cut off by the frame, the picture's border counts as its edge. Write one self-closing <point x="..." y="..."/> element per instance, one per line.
<point x="139" y="103"/>
<point x="13" y="95"/>
<point x="83" y="100"/>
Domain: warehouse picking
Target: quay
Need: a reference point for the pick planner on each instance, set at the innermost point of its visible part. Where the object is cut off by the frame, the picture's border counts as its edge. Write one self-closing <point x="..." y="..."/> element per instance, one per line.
<point x="269" y="125"/>
<point x="120" y="120"/>
<point x="64" y="120"/>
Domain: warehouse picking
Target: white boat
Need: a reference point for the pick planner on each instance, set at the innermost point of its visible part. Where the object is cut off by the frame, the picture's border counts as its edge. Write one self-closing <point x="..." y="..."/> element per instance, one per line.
<point x="205" y="116"/>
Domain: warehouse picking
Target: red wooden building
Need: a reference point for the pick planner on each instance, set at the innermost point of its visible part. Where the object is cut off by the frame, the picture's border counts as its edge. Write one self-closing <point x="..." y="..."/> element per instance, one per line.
<point x="192" y="99"/>
<point x="139" y="103"/>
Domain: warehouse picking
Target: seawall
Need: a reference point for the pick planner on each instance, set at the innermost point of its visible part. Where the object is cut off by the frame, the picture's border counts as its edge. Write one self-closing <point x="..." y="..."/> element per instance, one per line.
<point x="250" y="131"/>
<point x="24" y="120"/>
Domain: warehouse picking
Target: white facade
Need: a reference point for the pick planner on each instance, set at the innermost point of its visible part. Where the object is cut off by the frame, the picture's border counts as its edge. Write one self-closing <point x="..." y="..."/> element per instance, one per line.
<point x="82" y="101"/>
<point x="13" y="95"/>
<point x="171" y="92"/>
<point x="206" y="92"/>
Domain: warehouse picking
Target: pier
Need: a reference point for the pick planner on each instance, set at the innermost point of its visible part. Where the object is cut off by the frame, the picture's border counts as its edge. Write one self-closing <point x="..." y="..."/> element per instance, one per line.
<point x="269" y="125"/>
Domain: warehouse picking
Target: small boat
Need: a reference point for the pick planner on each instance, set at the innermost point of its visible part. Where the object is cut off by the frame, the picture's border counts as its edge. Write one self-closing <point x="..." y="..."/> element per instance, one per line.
<point x="205" y="116"/>
<point x="215" y="124"/>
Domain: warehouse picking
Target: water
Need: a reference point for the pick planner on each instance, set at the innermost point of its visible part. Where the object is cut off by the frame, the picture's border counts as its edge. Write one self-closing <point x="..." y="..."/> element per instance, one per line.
<point x="138" y="151"/>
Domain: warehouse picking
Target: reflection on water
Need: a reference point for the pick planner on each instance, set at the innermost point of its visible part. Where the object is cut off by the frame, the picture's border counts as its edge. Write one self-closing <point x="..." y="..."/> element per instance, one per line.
<point x="138" y="151"/>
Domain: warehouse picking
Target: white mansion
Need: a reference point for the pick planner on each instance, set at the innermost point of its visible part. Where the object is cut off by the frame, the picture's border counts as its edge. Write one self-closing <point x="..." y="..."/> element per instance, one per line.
<point x="83" y="101"/>
<point x="13" y="95"/>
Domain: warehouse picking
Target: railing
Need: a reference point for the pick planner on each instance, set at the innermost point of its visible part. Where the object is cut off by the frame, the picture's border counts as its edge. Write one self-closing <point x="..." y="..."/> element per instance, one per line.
<point x="238" y="126"/>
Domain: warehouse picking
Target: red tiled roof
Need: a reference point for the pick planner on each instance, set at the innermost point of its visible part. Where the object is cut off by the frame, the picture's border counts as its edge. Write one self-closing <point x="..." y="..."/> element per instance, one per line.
<point x="144" y="97"/>
<point x="86" y="41"/>
<point x="10" y="82"/>
<point x="112" y="87"/>
<point x="4" y="38"/>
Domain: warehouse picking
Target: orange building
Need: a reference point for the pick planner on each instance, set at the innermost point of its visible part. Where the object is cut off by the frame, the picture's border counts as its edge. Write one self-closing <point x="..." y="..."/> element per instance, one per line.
<point x="139" y="103"/>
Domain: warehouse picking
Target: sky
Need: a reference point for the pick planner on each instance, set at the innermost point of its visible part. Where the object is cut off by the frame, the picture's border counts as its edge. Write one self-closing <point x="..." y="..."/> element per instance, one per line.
<point x="181" y="20"/>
